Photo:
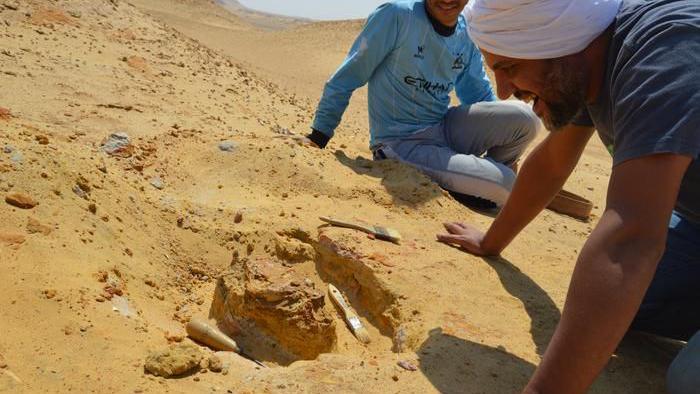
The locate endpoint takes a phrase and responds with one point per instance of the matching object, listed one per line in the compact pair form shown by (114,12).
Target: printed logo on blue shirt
(459,62)
(419,52)
(432,88)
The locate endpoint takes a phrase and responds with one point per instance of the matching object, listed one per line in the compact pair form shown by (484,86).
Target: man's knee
(683,376)
(529,122)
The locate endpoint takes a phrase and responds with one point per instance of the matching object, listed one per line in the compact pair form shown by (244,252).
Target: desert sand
(209,210)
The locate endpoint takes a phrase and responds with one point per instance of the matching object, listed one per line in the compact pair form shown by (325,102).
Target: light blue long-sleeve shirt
(411,71)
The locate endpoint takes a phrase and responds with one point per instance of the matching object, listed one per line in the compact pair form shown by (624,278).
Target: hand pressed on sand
(467,237)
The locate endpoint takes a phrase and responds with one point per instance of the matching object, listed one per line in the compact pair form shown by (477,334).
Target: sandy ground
(120,251)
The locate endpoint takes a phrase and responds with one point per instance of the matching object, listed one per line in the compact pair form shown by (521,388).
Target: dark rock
(20,200)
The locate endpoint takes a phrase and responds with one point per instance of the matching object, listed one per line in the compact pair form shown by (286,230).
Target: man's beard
(566,85)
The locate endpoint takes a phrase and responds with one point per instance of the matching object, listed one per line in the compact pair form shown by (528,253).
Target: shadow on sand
(406,185)
(455,365)
(543,312)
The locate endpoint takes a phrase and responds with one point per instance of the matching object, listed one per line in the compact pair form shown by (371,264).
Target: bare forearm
(534,189)
(609,282)
(543,174)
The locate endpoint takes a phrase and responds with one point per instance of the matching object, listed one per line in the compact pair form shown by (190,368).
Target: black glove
(318,138)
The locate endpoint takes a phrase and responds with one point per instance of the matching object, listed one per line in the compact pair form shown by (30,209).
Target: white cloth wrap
(538,29)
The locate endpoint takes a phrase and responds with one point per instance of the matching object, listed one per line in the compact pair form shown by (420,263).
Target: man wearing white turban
(631,70)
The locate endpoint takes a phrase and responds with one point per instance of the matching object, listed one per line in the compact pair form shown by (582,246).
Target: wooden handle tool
(349,315)
(384,233)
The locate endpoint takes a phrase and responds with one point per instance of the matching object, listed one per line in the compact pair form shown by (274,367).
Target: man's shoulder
(641,22)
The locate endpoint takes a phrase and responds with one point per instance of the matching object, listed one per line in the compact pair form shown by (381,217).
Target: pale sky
(316,9)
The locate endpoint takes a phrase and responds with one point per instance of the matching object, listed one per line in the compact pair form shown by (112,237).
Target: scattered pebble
(238,218)
(407,365)
(175,361)
(121,304)
(228,146)
(118,144)
(42,139)
(174,337)
(17,157)
(20,200)
(8,149)
(92,208)
(5,114)
(84,184)
(215,363)
(157,183)
(80,192)
(3,363)
(35,227)
(11,5)
(12,240)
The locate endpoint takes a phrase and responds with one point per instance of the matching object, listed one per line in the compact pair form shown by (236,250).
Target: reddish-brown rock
(278,302)
(20,200)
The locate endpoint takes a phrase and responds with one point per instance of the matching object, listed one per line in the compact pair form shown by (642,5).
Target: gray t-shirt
(650,102)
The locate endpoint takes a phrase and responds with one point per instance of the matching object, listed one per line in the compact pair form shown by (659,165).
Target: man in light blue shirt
(414,54)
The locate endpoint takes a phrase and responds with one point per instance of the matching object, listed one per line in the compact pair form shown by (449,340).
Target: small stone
(75,14)
(407,365)
(238,218)
(11,5)
(174,337)
(157,183)
(42,139)
(49,293)
(3,363)
(35,227)
(20,200)
(84,184)
(395,378)
(227,146)
(12,240)
(17,157)
(175,361)
(80,192)
(5,114)
(118,144)
(8,149)
(215,364)
(92,208)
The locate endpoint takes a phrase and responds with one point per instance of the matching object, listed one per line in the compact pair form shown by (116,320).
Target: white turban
(538,29)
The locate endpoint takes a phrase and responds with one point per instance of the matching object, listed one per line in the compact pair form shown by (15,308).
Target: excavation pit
(273,300)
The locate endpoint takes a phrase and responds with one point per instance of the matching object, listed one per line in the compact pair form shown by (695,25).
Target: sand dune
(120,250)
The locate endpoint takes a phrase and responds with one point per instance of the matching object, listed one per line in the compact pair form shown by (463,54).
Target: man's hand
(466,237)
(543,174)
